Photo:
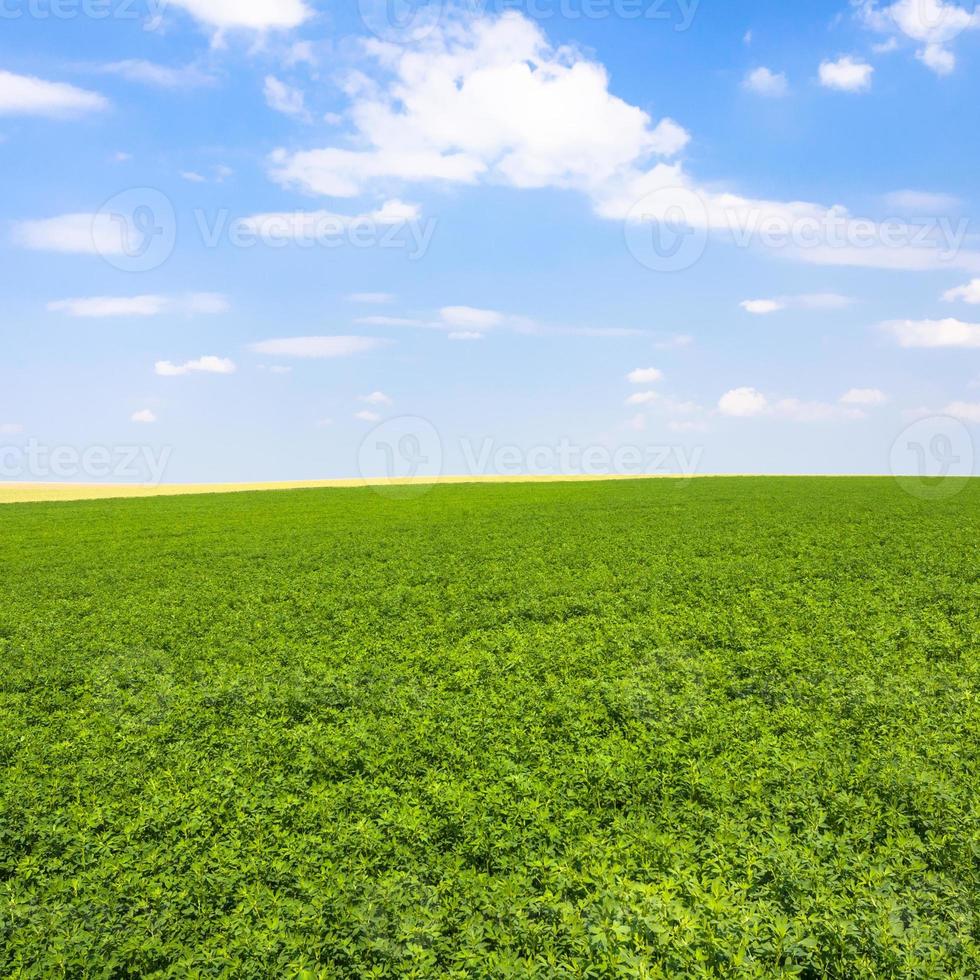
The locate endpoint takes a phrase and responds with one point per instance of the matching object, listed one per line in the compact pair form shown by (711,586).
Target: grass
(635,729)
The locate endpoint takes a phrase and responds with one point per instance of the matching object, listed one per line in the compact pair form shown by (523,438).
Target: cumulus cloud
(485,100)
(864,396)
(933,24)
(465,335)
(642,398)
(136,306)
(209,364)
(645,376)
(25,95)
(970,293)
(489,100)
(317,347)
(376,398)
(967,411)
(285,98)
(846,75)
(764,81)
(934,333)
(255,15)
(751,403)
(367,416)
(144,416)
(743,403)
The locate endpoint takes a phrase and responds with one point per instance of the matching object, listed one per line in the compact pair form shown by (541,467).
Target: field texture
(638,729)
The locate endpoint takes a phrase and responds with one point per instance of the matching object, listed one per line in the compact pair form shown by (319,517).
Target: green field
(728,727)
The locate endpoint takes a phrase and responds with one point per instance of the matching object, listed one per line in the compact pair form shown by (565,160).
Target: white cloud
(864,396)
(934,24)
(106,306)
(806,301)
(317,347)
(743,403)
(934,333)
(193,177)
(676,342)
(144,416)
(485,99)
(922,202)
(752,403)
(820,301)
(280,226)
(209,364)
(846,75)
(970,293)
(468,317)
(371,298)
(25,95)
(376,398)
(967,411)
(148,305)
(761,307)
(390,321)
(941,60)
(10,429)
(642,398)
(82,234)
(763,81)
(257,15)
(645,376)
(368,416)
(159,76)
(285,98)
(796,410)
(465,335)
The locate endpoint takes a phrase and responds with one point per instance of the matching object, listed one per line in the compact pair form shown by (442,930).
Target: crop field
(718,728)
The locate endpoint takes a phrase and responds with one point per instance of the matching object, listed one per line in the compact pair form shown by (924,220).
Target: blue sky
(271,239)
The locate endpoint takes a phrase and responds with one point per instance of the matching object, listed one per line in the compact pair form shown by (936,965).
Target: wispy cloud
(318,347)
(25,95)
(141,306)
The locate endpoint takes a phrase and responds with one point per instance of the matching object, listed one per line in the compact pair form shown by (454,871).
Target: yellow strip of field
(21,493)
